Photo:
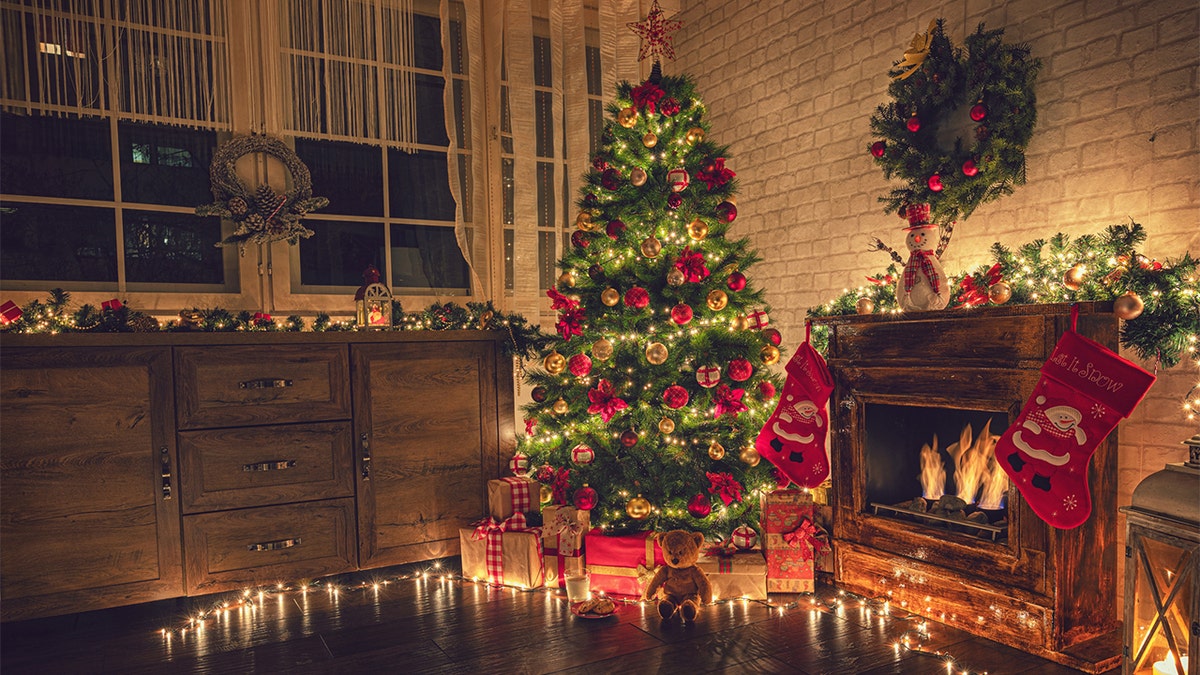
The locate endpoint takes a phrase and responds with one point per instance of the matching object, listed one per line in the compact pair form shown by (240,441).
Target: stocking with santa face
(793,439)
(1084,390)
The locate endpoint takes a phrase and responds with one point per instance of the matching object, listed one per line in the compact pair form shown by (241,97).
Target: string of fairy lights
(249,605)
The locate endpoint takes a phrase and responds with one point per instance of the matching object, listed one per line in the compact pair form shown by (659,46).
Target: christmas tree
(646,406)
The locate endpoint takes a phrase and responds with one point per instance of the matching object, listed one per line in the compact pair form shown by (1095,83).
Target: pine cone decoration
(265,199)
(238,207)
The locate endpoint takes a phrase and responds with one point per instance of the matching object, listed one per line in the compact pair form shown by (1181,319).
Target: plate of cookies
(600,607)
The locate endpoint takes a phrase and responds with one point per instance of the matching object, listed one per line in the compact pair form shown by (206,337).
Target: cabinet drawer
(266,545)
(238,385)
(260,466)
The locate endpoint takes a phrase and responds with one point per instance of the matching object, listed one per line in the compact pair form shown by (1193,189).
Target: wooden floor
(434,625)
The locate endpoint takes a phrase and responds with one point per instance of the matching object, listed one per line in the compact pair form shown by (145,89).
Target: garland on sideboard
(55,316)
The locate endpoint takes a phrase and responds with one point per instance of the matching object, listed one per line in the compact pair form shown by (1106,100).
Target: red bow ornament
(715,175)
(113,305)
(809,538)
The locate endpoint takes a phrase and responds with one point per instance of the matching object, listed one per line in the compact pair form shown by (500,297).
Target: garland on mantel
(54,316)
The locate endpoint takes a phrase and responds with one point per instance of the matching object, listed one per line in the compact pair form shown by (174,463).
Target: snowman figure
(923,284)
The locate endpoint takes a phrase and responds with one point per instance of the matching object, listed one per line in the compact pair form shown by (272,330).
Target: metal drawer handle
(274,545)
(366,457)
(165,458)
(273,465)
(265,383)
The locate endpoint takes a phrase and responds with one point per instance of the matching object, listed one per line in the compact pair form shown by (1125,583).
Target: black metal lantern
(1162,571)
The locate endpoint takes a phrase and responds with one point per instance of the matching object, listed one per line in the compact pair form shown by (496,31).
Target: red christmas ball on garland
(615,229)
(766,390)
(538,394)
(878,148)
(978,112)
(913,124)
(675,397)
(629,438)
(935,183)
(700,506)
(585,498)
(739,370)
(774,336)
(727,212)
(681,314)
(637,297)
(736,281)
(969,168)
(674,200)
(580,365)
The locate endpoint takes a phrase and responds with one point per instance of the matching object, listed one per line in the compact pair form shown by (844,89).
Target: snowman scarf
(918,262)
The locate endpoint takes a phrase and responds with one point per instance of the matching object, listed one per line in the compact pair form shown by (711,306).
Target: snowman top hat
(918,216)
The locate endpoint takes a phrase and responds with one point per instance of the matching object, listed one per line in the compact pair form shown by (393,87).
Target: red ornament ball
(774,336)
(580,365)
(700,505)
(969,168)
(582,454)
(766,390)
(935,183)
(637,297)
(580,239)
(674,200)
(739,370)
(878,148)
(978,112)
(736,281)
(675,397)
(596,272)
(629,438)
(913,124)
(538,394)
(610,179)
(615,229)
(519,465)
(681,314)
(727,212)
(585,498)
(744,537)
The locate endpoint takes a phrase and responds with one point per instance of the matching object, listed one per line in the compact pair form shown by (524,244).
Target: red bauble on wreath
(585,498)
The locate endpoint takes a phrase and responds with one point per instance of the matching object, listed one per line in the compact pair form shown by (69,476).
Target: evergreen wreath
(261,215)
(958,127)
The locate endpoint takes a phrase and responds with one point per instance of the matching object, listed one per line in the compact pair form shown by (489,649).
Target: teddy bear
(679,585)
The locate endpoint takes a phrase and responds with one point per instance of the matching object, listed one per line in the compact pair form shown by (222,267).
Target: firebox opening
(936,467)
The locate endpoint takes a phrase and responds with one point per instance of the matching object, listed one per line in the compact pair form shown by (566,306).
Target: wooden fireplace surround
(1046,591)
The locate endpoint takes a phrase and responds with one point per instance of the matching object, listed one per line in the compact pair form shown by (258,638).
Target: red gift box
(618,563)
(9,312)
(789,541)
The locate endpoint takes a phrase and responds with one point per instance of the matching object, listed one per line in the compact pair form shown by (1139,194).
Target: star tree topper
(655,33)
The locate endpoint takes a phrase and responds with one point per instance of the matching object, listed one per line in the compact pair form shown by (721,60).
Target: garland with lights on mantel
(1159,301)
(54,316)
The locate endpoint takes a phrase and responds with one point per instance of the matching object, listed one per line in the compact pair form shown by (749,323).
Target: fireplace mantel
(1046,591)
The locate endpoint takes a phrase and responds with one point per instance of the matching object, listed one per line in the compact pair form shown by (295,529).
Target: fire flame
(976,471)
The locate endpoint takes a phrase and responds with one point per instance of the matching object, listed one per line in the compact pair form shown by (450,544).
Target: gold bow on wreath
(915,55)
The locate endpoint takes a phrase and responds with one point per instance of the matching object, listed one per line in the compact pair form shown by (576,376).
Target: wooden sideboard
(142,467)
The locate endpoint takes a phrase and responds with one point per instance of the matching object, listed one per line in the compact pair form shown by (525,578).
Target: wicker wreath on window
(261,215)
(959,124)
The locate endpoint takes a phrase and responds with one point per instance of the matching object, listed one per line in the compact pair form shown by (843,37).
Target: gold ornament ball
(584,221)
(560,407)
(749,455)
(1000,293)
(637,176)
(651,247)
(666,425)
(675,277)
(770,354)
(740,322)
(865,306)
(638,508)
(602,349)
(566,279)
(656,353)
(627,117)
(1073,279)
(716,451)
(1128,306)
(717,300)
(694,135)
(697,229)
(610,297)
(650,139)
(545,494)
(555,363)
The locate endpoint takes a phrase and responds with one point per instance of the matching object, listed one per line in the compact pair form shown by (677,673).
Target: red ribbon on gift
(9,312)
(809,537)
(564,524)
(113,305)
(522,500)
(493,531)
(259,316)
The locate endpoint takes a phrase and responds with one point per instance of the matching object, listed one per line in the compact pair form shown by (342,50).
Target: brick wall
(790,87)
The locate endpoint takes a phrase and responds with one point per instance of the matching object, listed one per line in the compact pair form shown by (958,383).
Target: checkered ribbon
(493,531)
(809,538)
(522,497)
(919,261)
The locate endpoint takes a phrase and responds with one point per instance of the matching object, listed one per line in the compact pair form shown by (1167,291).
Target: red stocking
(793,439)
(1083,392)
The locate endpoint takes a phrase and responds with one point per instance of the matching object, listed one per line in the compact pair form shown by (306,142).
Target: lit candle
(1167,665)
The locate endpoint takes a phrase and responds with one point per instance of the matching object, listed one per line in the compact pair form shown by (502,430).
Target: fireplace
(922,515)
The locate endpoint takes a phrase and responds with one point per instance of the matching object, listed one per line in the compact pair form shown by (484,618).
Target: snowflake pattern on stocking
(1070,503)
(1097,411)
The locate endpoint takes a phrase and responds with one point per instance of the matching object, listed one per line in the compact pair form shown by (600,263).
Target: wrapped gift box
(787,516)
(514,494)
(558,565)
(823,517)
(740,575)
(563,528)
(519,556)
(618,563)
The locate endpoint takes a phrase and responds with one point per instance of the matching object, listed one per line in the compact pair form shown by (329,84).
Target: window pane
(174,248)
(427,258)
(165,165)
(508,187)
(505,119)
(466,189)
(431,115)
(348,174)
(541,62)
(427,41)
(509,267)
(544,122)
(419,186)
(594,83)
(457,45)
(595,124)
(547,260)
(56,157)
(545,194)
(59,243)
(339,252)
(462,107)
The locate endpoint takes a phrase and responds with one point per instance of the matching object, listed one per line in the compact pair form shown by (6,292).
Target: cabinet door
(427,443)
(89,514)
